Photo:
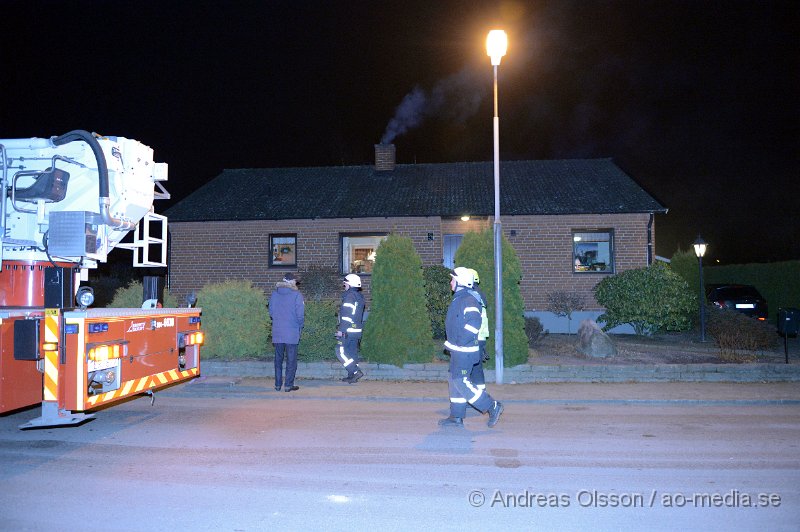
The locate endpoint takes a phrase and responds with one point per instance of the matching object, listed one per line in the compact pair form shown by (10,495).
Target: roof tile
(576,186)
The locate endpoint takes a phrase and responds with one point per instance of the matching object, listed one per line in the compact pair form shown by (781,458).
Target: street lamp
(496,46)
(700,250)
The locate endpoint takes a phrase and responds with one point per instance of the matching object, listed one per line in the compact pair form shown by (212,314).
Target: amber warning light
(193,338)
(105,352)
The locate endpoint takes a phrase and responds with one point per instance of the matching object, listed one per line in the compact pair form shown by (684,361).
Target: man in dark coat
(462,325)
(287,310)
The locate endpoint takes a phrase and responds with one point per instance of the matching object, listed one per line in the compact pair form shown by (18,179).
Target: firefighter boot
(357,375)
(494,413)
(451,421)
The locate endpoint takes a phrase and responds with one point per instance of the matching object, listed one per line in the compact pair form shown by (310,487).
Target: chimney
(384,157)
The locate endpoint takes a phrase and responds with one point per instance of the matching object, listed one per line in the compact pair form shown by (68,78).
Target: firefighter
(462,324)
(348,333)
(477,376)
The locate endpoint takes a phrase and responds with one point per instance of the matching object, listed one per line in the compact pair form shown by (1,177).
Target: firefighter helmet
(353,280)
(463,276)
(475,277)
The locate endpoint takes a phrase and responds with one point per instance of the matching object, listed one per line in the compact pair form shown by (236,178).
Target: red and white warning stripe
(141,385)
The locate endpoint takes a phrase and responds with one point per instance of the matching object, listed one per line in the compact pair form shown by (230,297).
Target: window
(593,251)
(284,250)
(358,252)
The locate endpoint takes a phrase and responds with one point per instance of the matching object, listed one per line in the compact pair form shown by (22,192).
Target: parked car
(740,297)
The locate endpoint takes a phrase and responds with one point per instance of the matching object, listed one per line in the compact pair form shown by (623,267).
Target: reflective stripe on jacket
(483,334)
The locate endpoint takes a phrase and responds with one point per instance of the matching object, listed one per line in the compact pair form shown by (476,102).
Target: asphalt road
(219,454)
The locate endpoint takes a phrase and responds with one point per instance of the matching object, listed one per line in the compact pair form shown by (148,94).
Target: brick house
(571,222)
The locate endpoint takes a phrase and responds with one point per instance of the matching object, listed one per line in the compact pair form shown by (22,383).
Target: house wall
(544,247)
(205,252)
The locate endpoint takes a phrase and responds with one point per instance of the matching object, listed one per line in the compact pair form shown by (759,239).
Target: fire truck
(69,200)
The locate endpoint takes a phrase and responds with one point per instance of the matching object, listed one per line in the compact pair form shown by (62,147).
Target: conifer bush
(398,330)
(477,252)
(437,297)
(235,319)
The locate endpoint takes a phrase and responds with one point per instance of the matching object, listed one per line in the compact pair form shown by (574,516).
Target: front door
(451,243)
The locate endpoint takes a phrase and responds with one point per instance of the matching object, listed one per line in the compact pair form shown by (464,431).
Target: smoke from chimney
(456,97)
(408,115)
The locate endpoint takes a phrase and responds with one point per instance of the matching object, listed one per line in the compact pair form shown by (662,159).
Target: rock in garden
(593,342)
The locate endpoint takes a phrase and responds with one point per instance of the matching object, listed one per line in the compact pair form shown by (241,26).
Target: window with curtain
(358,252)
(593,251)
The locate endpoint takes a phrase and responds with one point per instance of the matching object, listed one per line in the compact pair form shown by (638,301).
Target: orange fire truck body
(68,201)
(97,357)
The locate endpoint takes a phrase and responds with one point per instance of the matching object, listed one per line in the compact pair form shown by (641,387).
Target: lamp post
(496,46)
(700,250)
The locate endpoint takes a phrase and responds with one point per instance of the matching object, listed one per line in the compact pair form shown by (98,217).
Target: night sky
(696,100)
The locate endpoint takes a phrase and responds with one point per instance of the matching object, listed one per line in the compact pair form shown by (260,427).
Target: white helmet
(353,280)
(463,276)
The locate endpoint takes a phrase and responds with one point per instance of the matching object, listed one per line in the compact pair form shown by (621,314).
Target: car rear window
(736,292)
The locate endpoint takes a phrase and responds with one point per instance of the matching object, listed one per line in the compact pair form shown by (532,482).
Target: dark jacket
(351,312)
(463,322)
(287,310)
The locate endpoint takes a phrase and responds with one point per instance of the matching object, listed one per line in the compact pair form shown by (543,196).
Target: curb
(525,373)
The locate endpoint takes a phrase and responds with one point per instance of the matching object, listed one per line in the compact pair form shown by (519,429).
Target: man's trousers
(462,390)
(347,353)
(291,364)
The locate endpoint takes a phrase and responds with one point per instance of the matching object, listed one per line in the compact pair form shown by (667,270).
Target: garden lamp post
(496,46)
(700,250)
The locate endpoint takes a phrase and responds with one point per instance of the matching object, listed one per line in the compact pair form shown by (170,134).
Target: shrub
(398,331)
(651,299)
(320,283)
(734,332)
(437,297)
(235,319)
(477,251)
(317,342)
(131,297)
(533,330)
(563,304)
(685,264)
(105,288)
(110,277)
